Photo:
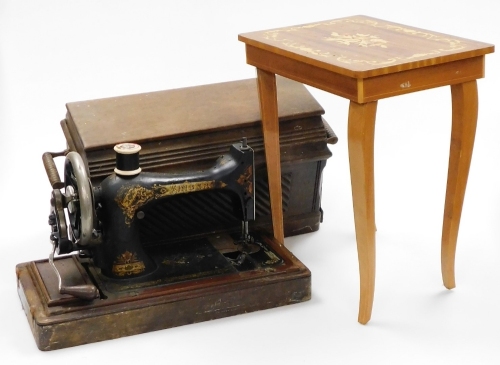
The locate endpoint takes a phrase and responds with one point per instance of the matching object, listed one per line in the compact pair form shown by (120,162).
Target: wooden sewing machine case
(179,130)
(185,129)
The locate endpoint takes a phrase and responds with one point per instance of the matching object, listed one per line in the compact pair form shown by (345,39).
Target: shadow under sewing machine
(130,276)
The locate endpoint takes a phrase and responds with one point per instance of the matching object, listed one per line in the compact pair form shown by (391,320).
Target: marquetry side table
(365,59)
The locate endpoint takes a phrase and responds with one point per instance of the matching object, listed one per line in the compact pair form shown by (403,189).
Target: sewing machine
(115,279)
(174,229)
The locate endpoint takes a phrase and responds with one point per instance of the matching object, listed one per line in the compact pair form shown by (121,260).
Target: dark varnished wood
(168,114)
(58,322)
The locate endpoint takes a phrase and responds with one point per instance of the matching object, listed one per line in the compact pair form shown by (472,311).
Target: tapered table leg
(270,125)
(361,128)
(464,121)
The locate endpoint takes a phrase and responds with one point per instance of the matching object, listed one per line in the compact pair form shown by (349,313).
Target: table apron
(364,90)
(320,78)
(398,83)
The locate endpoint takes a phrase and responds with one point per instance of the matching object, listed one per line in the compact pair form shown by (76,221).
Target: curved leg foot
(464,121)
(361,129)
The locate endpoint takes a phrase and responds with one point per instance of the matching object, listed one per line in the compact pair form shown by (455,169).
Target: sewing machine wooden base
(58,321)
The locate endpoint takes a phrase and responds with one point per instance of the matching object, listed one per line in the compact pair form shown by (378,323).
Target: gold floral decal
(127,264)
(246,179)
(131,198)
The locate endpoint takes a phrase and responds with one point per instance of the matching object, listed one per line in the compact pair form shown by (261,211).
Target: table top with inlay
(361,46)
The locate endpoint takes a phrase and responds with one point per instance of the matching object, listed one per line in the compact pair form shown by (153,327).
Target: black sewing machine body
(105,220)
(114,277)
(122,202)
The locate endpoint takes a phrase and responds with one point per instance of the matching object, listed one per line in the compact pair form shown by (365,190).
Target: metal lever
(86,292)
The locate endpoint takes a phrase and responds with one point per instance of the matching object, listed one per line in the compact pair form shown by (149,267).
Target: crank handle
(86,291)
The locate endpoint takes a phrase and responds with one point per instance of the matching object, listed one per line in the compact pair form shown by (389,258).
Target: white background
(54,52)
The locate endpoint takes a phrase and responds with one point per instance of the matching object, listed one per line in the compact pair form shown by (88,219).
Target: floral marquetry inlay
(362,40)
(338,39)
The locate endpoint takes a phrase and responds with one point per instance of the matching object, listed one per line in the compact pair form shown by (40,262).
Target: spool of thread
(127,159)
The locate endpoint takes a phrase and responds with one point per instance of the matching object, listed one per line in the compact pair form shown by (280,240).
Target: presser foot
(245,245)
(253,256)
